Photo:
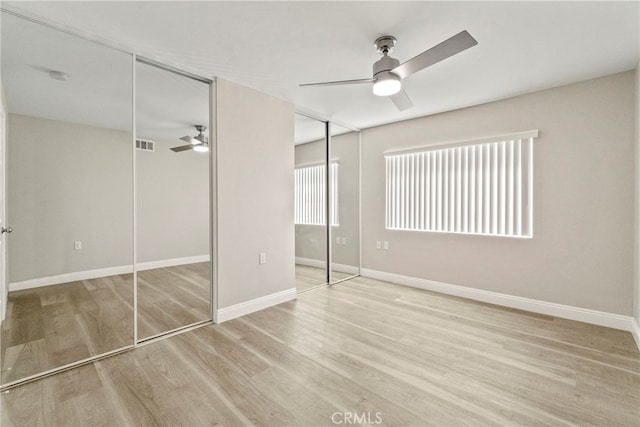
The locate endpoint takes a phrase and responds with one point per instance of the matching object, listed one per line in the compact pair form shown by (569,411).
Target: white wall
(311,239)
(67,182)
(70,182)
(582,251)
(255,163)
(636,279)
(4,278)
(344,150)
(172,202)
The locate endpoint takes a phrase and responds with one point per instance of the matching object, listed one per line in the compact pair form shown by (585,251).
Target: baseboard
(342,268)
(616,321)
(635,331)
(102,272)
(150,265)
(310,262)
(257,304)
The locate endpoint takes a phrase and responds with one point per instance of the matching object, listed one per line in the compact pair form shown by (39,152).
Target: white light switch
(344,240)
(337,240)
(386,245)
(77,245)
(378,244)
(262,258)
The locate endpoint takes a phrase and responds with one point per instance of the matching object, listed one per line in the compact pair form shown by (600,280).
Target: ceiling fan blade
(182,148)
(444,50)
(189,139)
(401,100)
(339,82)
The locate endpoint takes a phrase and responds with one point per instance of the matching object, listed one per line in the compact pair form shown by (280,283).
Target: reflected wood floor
(309,277)
(413,357)
(55,325)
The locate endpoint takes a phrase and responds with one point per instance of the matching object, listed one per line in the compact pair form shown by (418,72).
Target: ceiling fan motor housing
(385,63)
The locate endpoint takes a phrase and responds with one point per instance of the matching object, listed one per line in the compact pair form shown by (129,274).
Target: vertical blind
(477,188)
(310,195)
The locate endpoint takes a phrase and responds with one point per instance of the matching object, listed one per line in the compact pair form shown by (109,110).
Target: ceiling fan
(198,143)
(388,72)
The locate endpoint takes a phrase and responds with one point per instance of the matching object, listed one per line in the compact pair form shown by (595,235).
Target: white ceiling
(274,46)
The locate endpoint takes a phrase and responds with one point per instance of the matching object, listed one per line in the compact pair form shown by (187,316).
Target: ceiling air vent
(144,145)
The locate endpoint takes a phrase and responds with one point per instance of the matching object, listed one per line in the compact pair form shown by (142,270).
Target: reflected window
(310,195)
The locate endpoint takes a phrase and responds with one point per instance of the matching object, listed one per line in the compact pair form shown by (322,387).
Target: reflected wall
(172,201)
(345,230)
(310,203)
(98,215)
(69,199)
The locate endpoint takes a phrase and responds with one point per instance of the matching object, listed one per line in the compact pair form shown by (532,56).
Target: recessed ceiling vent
(145,145)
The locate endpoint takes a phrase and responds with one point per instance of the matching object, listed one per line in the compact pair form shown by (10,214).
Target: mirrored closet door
(344,193)
(310,203)
(69,157)
(172,200)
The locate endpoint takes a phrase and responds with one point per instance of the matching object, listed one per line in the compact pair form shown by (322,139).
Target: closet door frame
(212,201)
(212,192)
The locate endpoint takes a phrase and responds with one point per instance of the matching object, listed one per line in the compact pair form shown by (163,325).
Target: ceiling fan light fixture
(386,84)
(201,148)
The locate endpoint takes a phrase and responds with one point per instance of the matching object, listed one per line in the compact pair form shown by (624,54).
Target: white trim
(102,272)
(150,265)
(256,304)
(345,268)
(341,268)
(310,262)
(437,145)
(601,318)
(635,331)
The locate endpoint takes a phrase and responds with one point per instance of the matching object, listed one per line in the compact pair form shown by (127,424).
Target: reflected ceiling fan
(198,143)
(388,72)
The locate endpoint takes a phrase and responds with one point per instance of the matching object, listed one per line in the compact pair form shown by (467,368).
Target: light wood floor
(55,325)
(310,277)
(416,358)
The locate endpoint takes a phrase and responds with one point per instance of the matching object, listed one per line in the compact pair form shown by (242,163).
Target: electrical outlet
(385,245)
(77,245)
(378,244)
(262,258)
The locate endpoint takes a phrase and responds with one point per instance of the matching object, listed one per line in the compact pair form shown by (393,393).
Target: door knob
(6,230)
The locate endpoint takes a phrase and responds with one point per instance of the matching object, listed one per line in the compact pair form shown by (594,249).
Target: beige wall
(582,251)
(255,186)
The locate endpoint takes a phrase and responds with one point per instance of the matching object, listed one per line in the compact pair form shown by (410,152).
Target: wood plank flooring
(309,277)
(363,347)
(51,326)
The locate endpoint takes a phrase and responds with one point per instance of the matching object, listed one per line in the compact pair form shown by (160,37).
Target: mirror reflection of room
(172,200)
(69,199)
(345,189)
(310,203)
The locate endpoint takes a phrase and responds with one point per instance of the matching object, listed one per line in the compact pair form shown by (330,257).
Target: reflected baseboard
(103,272)
(318,263)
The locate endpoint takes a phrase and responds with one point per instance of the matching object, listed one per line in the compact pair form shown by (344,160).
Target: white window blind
(481,188)
(310,195)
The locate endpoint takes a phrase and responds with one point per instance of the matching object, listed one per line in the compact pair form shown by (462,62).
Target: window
(310,195)
(484,187)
